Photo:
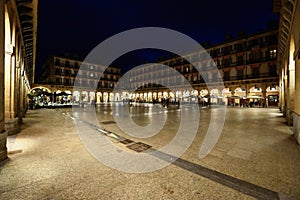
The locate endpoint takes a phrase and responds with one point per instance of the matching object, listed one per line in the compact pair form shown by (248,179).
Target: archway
(68,96)
(111,96)
(215,97)
(92,97)
(150,97)
(76,97)
(225,94)
(272,95)
(84,96)
(41,87)
(256,97)
(40,96)
(105,97)
(240,92)
(98,97)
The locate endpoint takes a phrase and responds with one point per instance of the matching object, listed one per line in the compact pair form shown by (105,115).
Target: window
(226,76)
(238,47)
(57,71)
(273,70)
(272,54)
(255,71)
(227,61)
(57,81)
(253,43)
(255,56)
(240,73)
(57,62)
(240,60)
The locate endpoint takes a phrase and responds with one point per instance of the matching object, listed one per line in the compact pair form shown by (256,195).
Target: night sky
(75,27)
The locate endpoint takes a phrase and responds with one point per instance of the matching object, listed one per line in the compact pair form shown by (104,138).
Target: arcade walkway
(255,157)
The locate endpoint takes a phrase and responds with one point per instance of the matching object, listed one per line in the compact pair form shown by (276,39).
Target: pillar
(296,114)
(18,89)
(264,95)
(22,97)
(281,92)
(11,118)
(291,94)
(3,134)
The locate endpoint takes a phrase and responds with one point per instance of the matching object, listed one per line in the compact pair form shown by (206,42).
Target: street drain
(126,141)
(139,147)
(108,122)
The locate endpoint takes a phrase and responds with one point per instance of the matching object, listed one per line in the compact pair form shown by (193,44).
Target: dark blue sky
(75,27)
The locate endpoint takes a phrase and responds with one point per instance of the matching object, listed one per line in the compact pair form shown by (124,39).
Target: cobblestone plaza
(256,156)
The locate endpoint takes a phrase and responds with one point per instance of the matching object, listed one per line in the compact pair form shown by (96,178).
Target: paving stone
(49,161)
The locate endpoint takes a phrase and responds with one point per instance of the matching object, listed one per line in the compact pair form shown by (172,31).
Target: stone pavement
(256,157)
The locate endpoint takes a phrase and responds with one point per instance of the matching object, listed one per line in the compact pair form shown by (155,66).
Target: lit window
(273,53)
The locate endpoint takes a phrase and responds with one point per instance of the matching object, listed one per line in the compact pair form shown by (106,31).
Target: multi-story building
(18,25)
(237,71)
(288,63)
(93,82)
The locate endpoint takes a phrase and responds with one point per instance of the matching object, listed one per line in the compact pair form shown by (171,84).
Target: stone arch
(226,92)
(255,90)
(76,96)
(204,92)
(84,96)
(159,96)
(111,96)
(92,97)
(149,96)
(178,95)
(272,95)
(172,96)
(98,97)
(214,95)
(215,91)
(145,96)
(41,87)
(117,96)
(240,91)
(105,97)
(195,93)
(154,96)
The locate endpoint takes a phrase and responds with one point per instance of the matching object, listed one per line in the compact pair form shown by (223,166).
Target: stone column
(22,97)
(286,93)
(291,92)
(232,94)
(296,115)
(281,92)
(264,95)
(3,135)
(11,120)
(18,90)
